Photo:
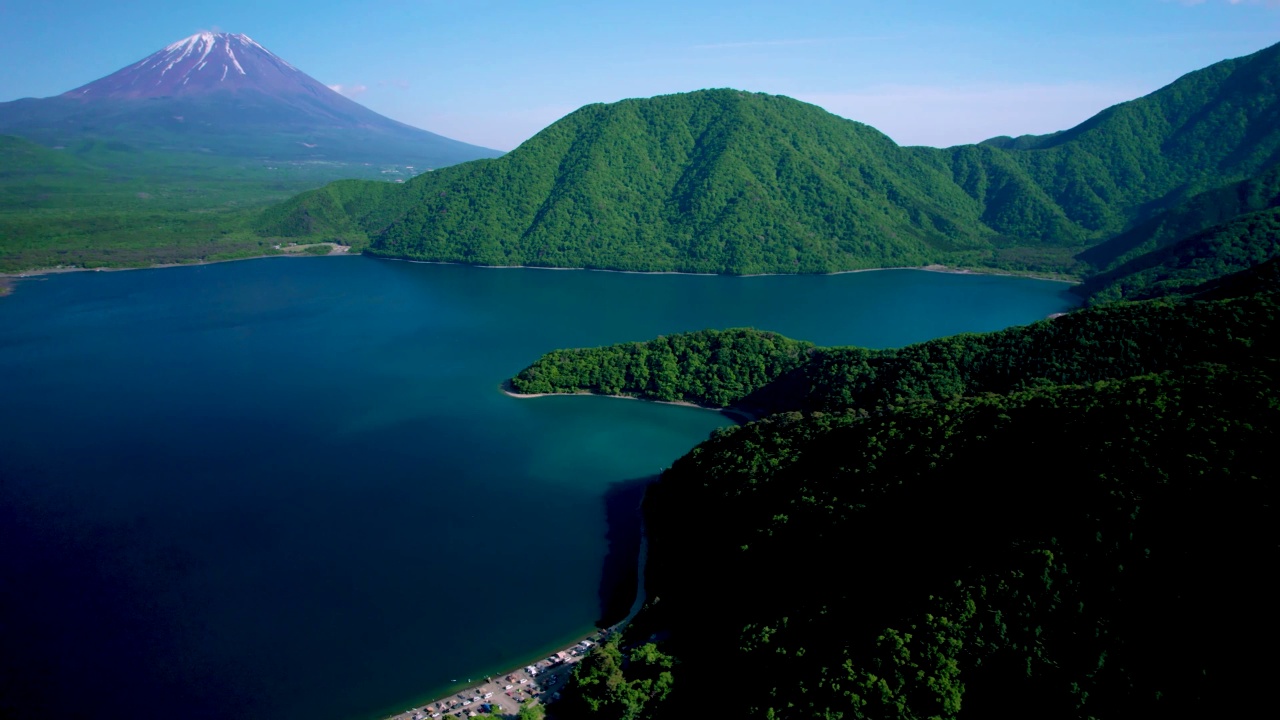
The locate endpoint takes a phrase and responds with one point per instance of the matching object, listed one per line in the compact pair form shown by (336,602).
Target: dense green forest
(1188,217)
(1049,521)
(99,203)
(1242,242)
(761,372)
(732,182)
(713,368)
(1057,552)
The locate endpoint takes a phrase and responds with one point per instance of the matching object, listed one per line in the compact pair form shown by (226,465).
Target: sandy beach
(502,695)
(540,681)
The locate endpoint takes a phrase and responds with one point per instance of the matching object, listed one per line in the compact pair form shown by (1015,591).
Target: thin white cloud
(945,116)
(349,90)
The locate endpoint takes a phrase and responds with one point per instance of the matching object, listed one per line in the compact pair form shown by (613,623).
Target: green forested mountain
(1132,161)
(1057,552)
(1048,521)
(1051,520)
(1190,216)
(732,182)
(1240,243)
(712,181)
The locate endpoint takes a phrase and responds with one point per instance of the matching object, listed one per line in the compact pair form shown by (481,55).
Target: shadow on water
(619,579)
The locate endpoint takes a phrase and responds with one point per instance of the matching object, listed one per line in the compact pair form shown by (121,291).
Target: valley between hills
(1062,519)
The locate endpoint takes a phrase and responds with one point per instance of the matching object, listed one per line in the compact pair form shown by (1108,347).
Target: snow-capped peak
(203,39)
(202,62)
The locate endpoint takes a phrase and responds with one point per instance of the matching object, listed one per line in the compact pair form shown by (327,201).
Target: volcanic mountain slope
(203,63)
(226,94)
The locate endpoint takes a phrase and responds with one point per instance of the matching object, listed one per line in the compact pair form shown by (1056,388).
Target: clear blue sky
(494,72)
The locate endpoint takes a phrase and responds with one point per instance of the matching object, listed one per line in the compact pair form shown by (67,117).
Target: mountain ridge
(733,182)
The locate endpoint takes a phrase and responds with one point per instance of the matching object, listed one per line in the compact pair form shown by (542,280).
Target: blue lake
(292,487)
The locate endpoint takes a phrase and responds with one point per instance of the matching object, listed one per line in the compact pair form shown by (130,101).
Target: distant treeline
(98,203)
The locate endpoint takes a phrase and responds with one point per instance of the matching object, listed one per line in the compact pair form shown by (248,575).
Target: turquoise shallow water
(292,488)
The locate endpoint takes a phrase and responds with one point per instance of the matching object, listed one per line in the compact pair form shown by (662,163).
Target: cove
(292,487)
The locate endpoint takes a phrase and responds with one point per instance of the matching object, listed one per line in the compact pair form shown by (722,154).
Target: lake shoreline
(7,278)
(442,703)
(495,683)
(948,269)
(403,530)
(739,416)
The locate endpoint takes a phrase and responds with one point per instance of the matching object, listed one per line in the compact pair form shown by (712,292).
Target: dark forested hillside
(713,368)
(1189,217)
(1059,552)
(731,182)
(1238,244)
(762,372)
(1046,521)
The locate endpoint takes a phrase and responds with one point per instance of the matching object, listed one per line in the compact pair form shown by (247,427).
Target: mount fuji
(225,94)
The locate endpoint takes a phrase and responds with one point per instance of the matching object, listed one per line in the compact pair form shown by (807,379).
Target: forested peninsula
(725,181)
(1050,520)
(762,372)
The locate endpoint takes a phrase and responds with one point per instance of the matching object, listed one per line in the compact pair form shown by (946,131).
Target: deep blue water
(292,488)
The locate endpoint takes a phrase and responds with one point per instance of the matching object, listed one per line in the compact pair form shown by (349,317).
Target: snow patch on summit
(204,62)
(186,44)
